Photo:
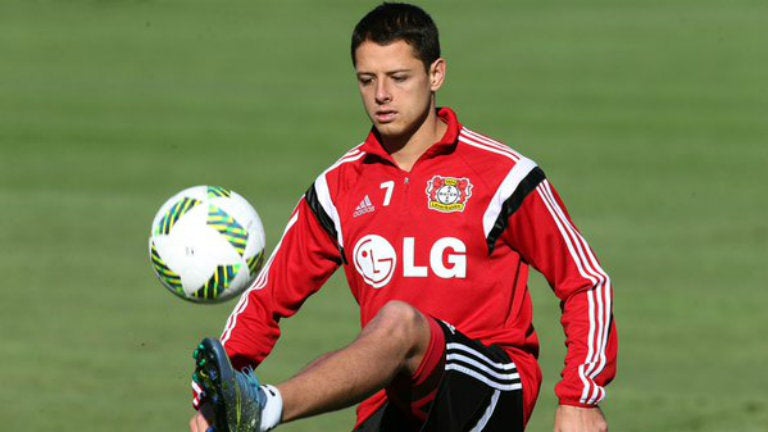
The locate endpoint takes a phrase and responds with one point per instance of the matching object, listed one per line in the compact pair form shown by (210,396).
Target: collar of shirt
(372,146)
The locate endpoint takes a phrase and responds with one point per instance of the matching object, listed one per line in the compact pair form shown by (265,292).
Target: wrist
(576,404)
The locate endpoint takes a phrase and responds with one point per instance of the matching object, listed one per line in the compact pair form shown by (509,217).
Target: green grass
(650,117)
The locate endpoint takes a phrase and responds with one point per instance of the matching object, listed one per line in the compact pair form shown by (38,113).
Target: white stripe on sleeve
(507,187)
(598,299)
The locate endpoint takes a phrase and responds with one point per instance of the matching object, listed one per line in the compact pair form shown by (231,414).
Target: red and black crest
(448,194)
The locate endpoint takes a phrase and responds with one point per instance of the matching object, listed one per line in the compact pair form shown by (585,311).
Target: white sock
(272,412)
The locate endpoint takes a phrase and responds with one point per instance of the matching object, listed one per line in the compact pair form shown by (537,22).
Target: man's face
(396,88)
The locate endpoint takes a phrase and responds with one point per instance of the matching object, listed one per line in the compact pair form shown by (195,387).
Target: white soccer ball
(206,244)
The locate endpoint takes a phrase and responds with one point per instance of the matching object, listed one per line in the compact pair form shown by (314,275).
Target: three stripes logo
(365,206)
(465,359)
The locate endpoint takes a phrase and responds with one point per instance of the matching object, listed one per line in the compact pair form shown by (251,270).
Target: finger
(199,424)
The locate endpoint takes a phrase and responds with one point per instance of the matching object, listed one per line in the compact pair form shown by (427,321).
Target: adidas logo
(365,206)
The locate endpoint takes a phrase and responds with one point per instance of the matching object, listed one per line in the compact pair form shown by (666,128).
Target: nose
(382,93)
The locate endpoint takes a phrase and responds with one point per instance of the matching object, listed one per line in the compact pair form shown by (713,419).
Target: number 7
(390,187)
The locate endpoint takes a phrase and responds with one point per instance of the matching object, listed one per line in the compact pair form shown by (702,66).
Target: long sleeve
(543,233)
(300,264)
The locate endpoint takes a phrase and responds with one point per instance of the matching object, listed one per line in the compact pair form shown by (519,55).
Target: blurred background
(650,117)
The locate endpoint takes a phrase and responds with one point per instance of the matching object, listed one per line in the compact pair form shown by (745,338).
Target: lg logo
(376,259)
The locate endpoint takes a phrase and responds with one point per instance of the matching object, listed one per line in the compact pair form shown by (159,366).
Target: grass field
(650,117)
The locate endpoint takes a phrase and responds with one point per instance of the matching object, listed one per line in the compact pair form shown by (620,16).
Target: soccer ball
(206,244)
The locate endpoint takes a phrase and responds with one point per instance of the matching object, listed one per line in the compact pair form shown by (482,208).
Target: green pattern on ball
(218,283)
(225,224)
(165,274)
(255,263)
(218,192)
(174,214)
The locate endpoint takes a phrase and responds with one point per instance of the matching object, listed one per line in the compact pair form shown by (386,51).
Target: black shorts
(480,390)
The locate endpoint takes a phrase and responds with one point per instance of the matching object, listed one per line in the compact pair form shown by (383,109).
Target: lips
(385,116)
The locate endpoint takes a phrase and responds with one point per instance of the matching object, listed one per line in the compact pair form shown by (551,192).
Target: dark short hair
(392,22)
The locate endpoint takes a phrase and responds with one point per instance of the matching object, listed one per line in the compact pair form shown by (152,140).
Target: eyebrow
(396,71)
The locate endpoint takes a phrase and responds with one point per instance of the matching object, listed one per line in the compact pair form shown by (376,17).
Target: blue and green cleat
(236,398)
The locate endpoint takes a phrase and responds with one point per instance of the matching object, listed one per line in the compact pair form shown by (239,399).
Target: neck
(407,149)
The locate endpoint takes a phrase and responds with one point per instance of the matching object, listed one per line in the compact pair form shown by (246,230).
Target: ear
(437,74)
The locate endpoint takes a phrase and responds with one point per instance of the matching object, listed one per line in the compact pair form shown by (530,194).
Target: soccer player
(435,226)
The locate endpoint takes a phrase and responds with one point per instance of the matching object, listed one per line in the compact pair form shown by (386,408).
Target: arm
(574,419)
(300,264)
(541,230)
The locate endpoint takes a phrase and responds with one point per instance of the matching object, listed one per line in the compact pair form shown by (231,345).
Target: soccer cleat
(236,397)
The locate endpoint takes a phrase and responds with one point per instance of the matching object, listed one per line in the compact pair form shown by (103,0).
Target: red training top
(454,237)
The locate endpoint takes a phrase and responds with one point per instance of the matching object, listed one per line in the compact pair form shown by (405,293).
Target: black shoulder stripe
(322,216)
(512,204)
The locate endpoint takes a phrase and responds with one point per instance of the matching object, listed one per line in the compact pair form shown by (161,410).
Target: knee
(399,320)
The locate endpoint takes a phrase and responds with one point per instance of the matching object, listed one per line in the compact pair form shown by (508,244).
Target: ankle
(272,410)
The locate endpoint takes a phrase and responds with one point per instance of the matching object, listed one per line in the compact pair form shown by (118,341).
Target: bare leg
(393,343)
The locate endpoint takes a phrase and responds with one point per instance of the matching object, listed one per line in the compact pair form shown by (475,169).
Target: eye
(364,80)
(399,78)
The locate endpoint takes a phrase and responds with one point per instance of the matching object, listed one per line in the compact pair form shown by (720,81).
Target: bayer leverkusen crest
(448,194)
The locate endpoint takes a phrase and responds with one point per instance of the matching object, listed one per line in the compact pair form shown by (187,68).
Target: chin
(389,131)
(392,130)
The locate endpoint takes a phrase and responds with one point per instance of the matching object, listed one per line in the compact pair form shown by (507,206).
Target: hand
(577,419)
(199,422)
